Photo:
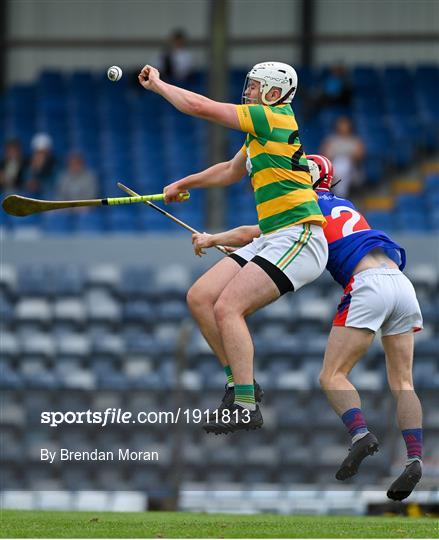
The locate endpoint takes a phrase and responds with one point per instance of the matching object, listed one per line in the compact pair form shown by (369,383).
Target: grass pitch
(45,524)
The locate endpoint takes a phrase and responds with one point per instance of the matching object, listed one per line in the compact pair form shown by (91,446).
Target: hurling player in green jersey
(291,252)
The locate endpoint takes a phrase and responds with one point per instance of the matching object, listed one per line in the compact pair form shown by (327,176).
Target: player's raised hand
(173,193)
(148,77)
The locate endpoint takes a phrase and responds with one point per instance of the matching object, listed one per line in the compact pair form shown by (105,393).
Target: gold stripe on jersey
(286,202)
(269,147)
(282,121)
(245,120)
(265,177)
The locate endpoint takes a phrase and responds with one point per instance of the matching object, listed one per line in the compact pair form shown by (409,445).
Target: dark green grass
(40,524)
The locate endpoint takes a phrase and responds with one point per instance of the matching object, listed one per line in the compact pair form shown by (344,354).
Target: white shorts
(292,257)
(380,298)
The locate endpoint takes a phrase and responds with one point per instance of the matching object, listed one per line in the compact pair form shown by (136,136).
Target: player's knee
(329,379)
(198,299)
(220,311)
(401,382)
(223,310)
(325,379)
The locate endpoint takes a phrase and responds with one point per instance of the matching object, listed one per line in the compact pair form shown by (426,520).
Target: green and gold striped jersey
(278,167)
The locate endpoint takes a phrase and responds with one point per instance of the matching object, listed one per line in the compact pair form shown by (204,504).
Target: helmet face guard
(245,100)
(272,75)
(321,170)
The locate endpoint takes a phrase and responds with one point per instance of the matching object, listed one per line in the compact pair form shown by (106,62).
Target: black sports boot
(405,483)
(366,446)
(234,418)
(229,396)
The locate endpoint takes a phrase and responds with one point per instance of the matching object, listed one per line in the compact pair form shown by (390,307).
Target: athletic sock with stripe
(413,442)
(245,396)
(355,423)
(229,376)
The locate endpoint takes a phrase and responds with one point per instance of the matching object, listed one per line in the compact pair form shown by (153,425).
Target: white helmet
(273,75)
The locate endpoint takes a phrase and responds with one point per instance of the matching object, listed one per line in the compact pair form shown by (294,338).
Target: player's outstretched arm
(240,236)
(221,174)
(189,102)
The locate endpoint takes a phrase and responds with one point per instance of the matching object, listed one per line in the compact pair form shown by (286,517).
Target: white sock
(411,460)
(359,436)
(249,406)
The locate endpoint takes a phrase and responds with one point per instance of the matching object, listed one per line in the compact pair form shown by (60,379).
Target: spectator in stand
(175,62)
(41,171)
(76,181)
(12,167)
(346,151)
(336,88)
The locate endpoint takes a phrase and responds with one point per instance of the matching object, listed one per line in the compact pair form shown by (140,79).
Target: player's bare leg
(345,347)
(399,362)
(248,291)
(201,299)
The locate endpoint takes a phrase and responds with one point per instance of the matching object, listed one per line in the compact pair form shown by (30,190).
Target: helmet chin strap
(286,96)
(252,101)
(320,180)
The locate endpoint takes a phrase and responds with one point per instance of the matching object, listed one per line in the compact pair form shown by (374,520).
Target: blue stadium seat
(425,373)
(427,347)
(58,222)
(150,381)
(135,283)
(91,222)
(6,221)
(35,280)
(11,346)
(431,184)
(68,280)
(311,133)
(411,220)
(433,219)
(139,342)
(427,74)
(366,78)
(33,310)
(401,129)
(112,380)
(379,147)
(172,311)
(108,344)
(140,311)
(10,379)
(43,380)
(21,102)
(73,345)
(6,309)
(28,222)
(409,202)
(120,219)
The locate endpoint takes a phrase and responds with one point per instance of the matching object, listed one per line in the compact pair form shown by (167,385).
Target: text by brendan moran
(122,454)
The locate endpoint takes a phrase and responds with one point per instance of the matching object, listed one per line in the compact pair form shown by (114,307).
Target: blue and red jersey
(350,238)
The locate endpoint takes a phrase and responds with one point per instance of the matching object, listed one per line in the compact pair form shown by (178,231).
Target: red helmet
(321,171)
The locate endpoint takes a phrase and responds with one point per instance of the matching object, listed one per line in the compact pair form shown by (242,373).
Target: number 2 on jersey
(341,229)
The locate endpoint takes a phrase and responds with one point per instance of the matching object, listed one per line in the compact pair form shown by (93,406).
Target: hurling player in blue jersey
(377,296)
